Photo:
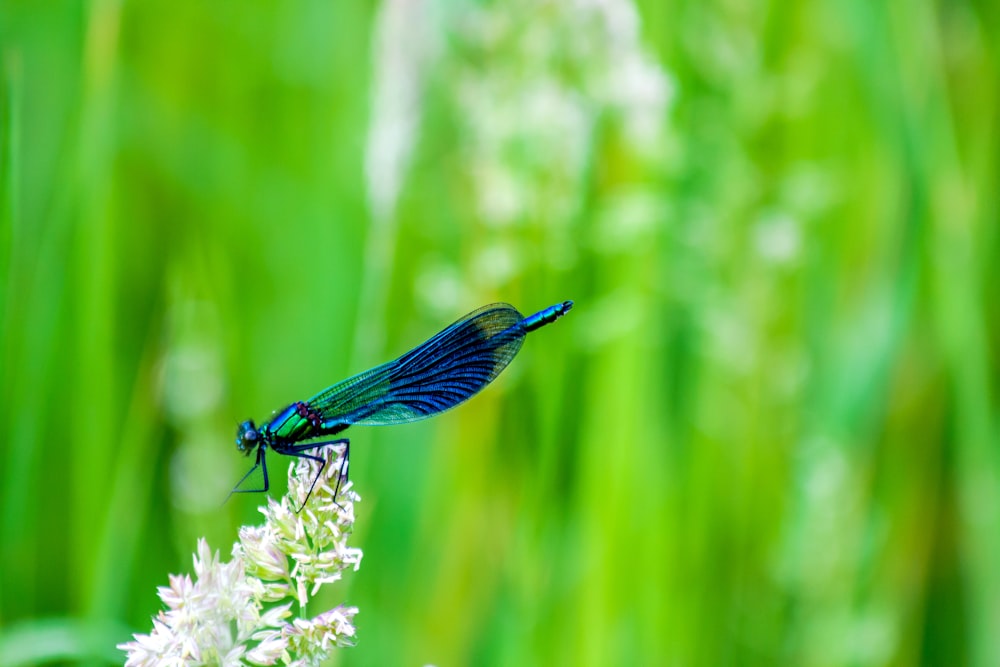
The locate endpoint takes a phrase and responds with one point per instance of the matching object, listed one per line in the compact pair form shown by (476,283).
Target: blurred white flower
(539,93)
(404,45)
(532,80)
(777,238)
(236,612)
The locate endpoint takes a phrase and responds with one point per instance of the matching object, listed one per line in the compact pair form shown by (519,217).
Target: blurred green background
(767,434)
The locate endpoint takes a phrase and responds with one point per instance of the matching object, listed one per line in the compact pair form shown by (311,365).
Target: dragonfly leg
(299,451)
(342,475)
(260,463)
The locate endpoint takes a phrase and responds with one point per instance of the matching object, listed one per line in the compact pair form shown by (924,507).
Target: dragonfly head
(247,437)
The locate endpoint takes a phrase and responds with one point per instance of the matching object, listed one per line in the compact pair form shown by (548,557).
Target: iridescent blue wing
(437,375)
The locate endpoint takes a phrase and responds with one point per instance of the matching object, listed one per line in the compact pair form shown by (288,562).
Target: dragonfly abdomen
(547,316)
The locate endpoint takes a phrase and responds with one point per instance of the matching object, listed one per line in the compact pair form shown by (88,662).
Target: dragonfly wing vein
(450,367)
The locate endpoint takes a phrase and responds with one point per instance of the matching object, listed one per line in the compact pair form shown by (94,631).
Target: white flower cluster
(536,80)
(238,613)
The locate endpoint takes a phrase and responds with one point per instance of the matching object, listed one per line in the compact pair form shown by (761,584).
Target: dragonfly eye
(247,436)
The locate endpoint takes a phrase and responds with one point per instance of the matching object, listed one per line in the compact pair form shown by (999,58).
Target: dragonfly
(448,369)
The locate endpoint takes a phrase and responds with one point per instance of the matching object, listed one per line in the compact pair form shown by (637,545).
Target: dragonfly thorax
(247,437)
